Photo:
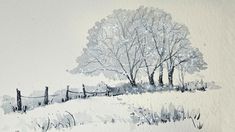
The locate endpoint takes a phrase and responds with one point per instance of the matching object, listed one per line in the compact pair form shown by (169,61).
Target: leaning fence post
(46,96)
(19,103)
(84,90)
(67,94)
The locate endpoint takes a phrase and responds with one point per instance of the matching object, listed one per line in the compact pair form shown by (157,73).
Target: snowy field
(107,114)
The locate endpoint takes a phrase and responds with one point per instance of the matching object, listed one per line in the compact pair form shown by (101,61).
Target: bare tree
(112,48)
(164,39)
(190,61)
(128,43)
(153,25)
(176,43)
(187,59)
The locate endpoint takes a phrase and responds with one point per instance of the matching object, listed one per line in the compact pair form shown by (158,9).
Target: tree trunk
(170,77)
(131,80)
(151,79)
(160,79)
(133,83)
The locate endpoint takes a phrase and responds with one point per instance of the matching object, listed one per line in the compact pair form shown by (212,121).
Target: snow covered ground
(113,113)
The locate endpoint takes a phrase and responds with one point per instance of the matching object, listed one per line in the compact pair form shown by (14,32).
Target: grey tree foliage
(112,48)
(129,44)
(189,61)
(154,22)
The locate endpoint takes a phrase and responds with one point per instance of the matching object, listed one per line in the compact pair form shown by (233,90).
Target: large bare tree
(165,39)
(112,48)
(128,43)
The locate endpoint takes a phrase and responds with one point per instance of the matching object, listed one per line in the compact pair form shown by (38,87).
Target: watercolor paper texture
(96,65)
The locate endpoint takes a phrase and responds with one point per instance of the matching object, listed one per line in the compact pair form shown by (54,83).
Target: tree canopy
(136,43)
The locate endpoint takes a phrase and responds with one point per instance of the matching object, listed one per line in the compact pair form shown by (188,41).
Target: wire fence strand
(32,97)
(75,92)
(39,96)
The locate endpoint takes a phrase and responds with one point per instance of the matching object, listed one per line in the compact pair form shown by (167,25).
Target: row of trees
(130,44)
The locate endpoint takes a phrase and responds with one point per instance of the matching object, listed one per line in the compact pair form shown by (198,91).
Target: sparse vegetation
(62,121)
(172,114)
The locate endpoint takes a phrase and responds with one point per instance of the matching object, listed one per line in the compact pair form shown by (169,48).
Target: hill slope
(114,113)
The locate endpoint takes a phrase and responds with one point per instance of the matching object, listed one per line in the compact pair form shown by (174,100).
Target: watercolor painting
(116,65)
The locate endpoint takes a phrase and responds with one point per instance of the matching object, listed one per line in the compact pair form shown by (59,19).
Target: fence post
(67,94)
(107,92)
(19,103)
(46,96)
(84,90)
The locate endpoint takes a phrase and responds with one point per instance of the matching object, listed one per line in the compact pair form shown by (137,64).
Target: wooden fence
(84,94)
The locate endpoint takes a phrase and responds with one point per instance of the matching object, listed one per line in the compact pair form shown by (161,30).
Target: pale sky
(40,39)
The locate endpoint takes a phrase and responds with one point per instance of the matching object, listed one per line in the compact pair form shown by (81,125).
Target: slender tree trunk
(160,79)
(150,76)
(170,77)
(151,79)
(133,83)
(132,80)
